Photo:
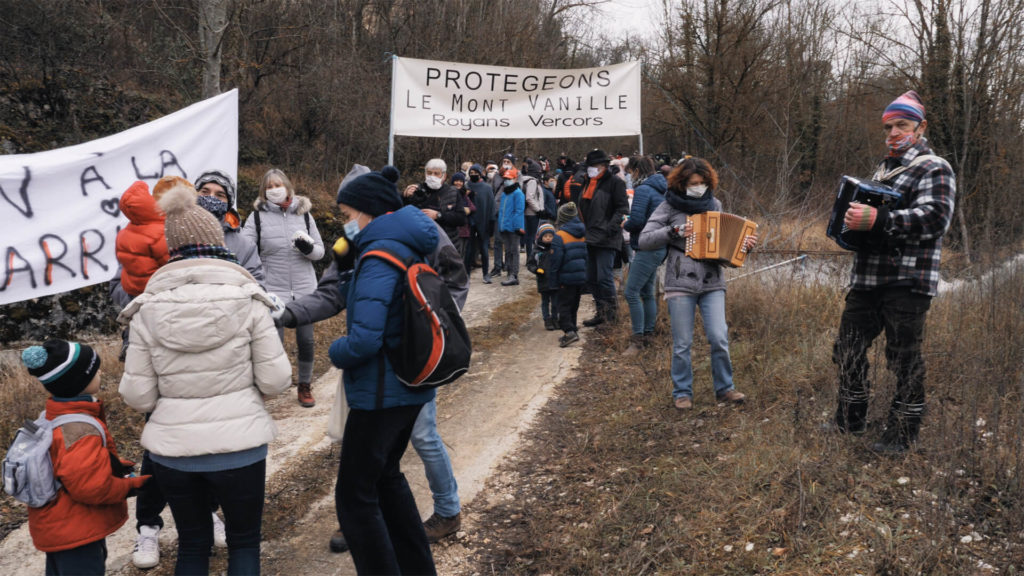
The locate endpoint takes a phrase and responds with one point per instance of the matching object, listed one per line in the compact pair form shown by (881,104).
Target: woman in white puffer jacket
(286,236)
(202,353)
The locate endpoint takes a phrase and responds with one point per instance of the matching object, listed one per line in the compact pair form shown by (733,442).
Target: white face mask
(433,182)
(593,171)
(509,182)
(696,191)
(277,195)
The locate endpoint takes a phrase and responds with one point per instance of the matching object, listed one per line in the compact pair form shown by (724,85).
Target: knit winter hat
(479,169)
(458,176)
(188,223)
(510,157)
(65,368)
(566,212)
(373,193)
(907,106)
(545,228)
(221,178)
(166,183)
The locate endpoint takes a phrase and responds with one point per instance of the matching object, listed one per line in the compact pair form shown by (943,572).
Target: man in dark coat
(437,199)
(482,195)
(603,205)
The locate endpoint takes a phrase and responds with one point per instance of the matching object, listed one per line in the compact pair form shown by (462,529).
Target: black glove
(286,320)
(521,232)
(302,242)
(344,255)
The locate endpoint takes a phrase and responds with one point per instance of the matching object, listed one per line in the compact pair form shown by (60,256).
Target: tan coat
(202,350)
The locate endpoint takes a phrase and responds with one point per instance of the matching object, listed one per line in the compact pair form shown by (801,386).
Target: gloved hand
(137,482)
(344,255)
(287,319)
(279,305)
(302,242)
(860,217)
(521,232)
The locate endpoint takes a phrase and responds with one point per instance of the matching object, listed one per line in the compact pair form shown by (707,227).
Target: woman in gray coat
(285,233)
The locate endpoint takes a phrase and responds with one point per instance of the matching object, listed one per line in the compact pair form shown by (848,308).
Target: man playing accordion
(893,282)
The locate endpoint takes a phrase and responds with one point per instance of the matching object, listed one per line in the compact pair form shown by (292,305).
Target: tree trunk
(213,20)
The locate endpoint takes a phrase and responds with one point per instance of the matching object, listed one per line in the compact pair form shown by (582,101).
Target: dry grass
(614,481)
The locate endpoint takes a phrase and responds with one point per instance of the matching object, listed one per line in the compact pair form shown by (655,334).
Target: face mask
(509,182)
(901,143)
(696,191)
(433,182)
(277,195)
(474,177)
(352,228)
(214,206)
(593,171)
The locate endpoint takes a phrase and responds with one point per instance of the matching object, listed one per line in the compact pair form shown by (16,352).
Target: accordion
(865,192)
(719,236)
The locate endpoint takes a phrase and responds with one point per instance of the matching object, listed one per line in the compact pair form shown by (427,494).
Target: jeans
(530,239)
(682,311)
(510,240)
(476,243)
(375,507)
(149,501)
(600,279)
(901,313)
(549,304)
(240,492)
(643,271)
(86,560)
(304,340)
(436,464)
(568,306)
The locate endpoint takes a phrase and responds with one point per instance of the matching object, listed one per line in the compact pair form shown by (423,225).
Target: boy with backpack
(569,269)
(547,284)
(89,477)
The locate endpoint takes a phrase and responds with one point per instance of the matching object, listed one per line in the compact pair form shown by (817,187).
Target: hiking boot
(732,396)
(511,281)
(147,548)
(220,536)
(338,543)
(487,278)
(306,395)
(597,320)
(496,271)
(438,527)
(568,338)
(683,403)
(636,345)
(549,324)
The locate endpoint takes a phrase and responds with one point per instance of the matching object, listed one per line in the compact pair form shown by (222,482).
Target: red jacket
(141,246)
(91,504)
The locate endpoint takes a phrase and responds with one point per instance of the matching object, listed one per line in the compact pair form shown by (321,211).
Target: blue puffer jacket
(374,316)
(511,211)
(646,197)
(569,255)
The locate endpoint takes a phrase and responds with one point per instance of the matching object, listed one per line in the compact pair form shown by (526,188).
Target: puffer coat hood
(141,246)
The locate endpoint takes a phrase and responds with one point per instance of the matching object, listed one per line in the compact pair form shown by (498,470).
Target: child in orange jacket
(73,527)
(141,247)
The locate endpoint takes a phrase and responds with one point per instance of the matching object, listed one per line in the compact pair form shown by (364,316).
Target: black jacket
(602,213)
(445,200)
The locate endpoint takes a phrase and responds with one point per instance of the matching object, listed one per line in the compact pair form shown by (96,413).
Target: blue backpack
(550,205)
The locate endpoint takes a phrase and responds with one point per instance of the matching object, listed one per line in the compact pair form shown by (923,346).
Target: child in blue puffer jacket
(569,269)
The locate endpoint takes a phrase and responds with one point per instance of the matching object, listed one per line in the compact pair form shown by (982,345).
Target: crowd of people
(206,298)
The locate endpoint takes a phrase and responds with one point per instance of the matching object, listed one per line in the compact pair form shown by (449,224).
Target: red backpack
(435,347)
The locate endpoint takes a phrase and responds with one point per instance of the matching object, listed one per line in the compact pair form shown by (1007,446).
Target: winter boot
(636,345)
(306,395)
(438,527)
(510,281)
(549,324)
(338,543)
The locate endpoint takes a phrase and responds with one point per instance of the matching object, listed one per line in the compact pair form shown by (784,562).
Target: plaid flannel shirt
(913,232)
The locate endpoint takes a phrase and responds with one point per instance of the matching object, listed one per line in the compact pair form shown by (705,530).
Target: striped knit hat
(545,228)
(907,106)
(65,368)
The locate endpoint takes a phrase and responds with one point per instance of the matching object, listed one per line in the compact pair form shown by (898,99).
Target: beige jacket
(202,349)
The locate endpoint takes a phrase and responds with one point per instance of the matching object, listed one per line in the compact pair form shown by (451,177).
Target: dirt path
(480,419)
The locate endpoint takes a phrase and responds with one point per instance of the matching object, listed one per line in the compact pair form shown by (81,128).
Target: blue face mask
(352,228)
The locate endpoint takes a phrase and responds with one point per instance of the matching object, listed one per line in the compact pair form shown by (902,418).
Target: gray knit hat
(566,212)
(188,223)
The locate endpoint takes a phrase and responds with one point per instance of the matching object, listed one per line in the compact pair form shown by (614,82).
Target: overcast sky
(631,17)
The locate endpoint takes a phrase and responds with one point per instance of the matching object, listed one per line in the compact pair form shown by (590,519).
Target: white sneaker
(220,538)
(147,547)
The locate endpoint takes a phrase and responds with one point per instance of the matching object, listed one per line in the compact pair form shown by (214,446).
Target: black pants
(376,508)
(476,244)
(901,314)
(568,306)
(86,560)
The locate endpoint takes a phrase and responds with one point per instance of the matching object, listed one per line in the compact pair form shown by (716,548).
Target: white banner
(59,209)
(452,100)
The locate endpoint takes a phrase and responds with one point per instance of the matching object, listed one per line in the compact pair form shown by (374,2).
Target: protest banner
(454,100)
(60,208)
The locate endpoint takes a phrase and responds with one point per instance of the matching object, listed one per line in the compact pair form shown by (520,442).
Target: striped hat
(65,368)
(907,106)
(545,228)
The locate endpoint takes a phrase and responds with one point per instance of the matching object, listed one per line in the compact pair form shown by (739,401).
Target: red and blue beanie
(65,368)
(907,106)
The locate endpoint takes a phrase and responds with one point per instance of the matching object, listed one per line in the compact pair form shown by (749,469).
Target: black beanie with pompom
(373,193)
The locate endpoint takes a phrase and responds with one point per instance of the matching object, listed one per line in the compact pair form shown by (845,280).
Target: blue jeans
(436,464)
(240,492)
(682,311)
(643,272)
